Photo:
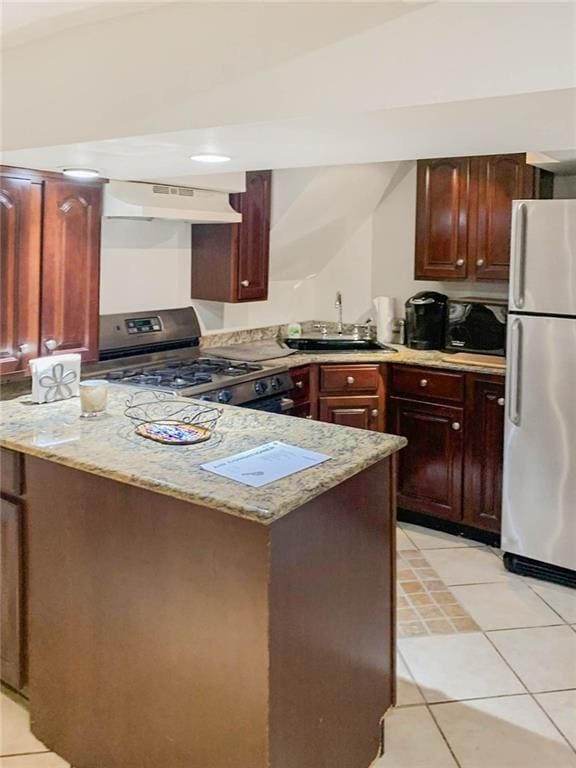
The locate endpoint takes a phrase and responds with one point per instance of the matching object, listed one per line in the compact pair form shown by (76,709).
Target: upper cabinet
(49,266)
(230,261)
(20,234)
(464,212)
(71,269)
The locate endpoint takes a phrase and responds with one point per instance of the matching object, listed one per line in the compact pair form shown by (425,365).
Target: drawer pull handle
(501,401)
(300,384)
(456,426)
(245,283)
(460,262)
(423,382)
(350,379)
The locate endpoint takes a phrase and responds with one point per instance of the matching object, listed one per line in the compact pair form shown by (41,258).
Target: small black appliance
(425,320)
(476,325)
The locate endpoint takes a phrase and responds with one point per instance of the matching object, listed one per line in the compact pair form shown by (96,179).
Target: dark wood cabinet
(230,261)
(363,412)
(484,452)
(11,593)
(430,468)
(50,267)
(20,231)
(454,422)
(441,218)
(464,214)
(71,269)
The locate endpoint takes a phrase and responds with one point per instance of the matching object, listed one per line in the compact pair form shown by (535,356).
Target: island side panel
(332,625)
(148,626)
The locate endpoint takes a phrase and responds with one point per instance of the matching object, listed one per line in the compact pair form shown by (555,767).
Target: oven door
(274,404)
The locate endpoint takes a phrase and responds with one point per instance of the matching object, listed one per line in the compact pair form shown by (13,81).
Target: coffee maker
(425,320)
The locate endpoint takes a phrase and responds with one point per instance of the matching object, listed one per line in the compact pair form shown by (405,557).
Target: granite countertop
(109,447)
(403,355)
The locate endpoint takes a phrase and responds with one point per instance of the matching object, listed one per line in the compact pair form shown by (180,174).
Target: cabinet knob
(23,349)
(299,384)
(456,426)
(350,379)
(423,382)
(460,262)
(501,401)
(245,283)
(51,344)
(479,262)
(308,416)
(375,413)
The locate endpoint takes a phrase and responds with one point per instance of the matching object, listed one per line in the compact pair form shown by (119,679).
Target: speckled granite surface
(403,355)
(109,447)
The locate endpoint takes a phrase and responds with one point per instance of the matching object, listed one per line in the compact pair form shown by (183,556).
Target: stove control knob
(260,387)
(224,396)
(276,382)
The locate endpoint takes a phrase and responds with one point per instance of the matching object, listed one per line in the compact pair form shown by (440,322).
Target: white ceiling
(134,89)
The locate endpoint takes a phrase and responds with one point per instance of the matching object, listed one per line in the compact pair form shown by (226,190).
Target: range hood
(141,200)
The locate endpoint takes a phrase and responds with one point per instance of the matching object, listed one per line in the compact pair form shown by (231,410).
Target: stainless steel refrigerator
(539,499)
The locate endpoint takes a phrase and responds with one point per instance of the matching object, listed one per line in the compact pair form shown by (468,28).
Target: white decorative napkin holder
(55,378)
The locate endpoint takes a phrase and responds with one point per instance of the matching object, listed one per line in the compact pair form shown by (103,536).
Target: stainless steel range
(160,350)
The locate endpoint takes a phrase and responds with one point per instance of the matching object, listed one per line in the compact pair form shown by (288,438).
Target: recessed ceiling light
(208,158)
(81,173)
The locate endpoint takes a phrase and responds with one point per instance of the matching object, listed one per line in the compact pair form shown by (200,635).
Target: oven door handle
(286,404)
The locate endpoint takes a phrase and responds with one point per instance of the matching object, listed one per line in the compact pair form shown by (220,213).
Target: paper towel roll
(385,314)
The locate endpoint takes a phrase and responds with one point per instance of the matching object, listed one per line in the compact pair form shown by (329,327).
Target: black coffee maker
(425,320)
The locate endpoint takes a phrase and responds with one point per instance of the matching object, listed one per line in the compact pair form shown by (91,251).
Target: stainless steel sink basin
(335,343)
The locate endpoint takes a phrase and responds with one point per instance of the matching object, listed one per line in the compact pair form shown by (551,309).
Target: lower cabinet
(452,467)
(11,594)
(484,452)
(430,468)
(356,411)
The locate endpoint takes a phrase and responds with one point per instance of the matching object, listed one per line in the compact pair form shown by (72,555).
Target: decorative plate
(172,432)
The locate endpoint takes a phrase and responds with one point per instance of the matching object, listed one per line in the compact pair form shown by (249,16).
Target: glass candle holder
(93,398)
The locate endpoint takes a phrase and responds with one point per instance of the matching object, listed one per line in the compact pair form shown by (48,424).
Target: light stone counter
(110,448)
(403,355)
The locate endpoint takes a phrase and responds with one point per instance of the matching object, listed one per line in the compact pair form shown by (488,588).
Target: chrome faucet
(338,305)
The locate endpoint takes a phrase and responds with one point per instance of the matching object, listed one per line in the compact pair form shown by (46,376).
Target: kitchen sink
(335,343)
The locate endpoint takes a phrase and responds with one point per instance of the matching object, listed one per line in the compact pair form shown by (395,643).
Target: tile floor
(498,694)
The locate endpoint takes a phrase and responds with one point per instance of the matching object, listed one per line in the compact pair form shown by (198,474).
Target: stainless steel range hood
(140,200)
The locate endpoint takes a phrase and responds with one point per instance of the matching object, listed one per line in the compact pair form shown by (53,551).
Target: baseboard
(456,529)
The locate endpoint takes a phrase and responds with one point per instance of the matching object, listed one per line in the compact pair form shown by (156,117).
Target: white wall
(565,187)
(347,228)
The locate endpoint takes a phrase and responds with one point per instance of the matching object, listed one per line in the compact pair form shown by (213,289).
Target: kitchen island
(181,619)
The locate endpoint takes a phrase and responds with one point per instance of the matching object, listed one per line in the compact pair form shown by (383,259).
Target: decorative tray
(166,418)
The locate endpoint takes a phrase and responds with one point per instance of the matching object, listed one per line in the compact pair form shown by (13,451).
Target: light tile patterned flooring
(501,694)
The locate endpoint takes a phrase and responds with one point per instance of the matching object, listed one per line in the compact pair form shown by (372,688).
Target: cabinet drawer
(349,378)
(11,472)
(362,412)
(301,379)
(427,384)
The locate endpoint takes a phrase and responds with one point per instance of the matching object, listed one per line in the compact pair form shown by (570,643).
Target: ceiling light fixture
(81,173)
(209,158)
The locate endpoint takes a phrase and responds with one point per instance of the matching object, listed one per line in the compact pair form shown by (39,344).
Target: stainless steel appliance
(476,325)
(539,499)
(160,350)
(425,320)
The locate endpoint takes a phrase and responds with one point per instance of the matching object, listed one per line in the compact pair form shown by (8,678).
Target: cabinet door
(71,268)
(20,227)
(11,594)
(430,467)
(442,218)
(484,452)
(496,180)
(360,412)
(253,236)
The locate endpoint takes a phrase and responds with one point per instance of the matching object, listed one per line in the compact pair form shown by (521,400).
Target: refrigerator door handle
(519,255)
(515,392)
